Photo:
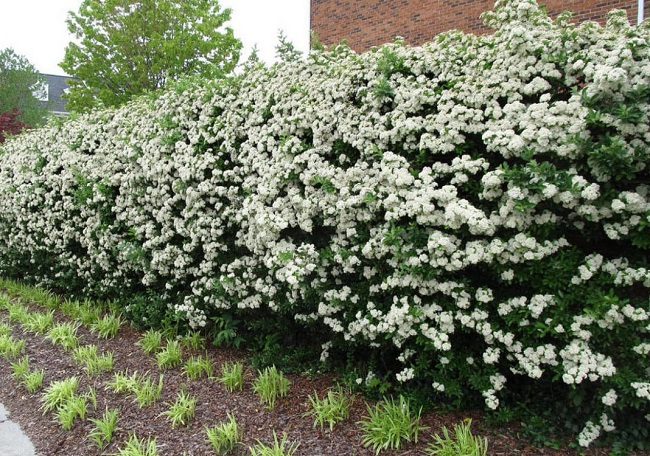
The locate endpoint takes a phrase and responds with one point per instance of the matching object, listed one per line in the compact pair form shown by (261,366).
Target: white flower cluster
(642,389)
(473,200)
(592,431)
(610,398)
(498,382)
(580,363)
(588,434)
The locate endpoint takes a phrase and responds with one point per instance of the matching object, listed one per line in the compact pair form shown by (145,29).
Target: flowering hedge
(471,215)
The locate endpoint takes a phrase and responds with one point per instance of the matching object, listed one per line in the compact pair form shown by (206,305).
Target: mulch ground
(214,402)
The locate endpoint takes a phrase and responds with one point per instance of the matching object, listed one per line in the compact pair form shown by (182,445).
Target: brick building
(366,23)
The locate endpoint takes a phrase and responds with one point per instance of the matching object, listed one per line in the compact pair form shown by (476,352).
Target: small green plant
(5,302)
(276,449)
(232,376)
(64,334)
(36,295)
(105,427)
(147,391)
(137,447)
(5,328)
(331,409)
(225,436)
(83,353)
(182,410)
(74,407)
(150,342)
(85,312)
(389,424)
(107,326)
(192,340)
(463,443)
(92,396)
(196,366)
(17,313)
(92,363)
(269,385)
(20,368)
(70,308)
(123,383)
(11,348)
(38,322)
(58,392)
(34,380)
(170,356)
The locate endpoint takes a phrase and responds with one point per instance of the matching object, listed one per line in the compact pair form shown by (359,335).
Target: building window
(42,92)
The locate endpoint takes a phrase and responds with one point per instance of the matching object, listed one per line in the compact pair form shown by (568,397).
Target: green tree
(19,81)
(127,47)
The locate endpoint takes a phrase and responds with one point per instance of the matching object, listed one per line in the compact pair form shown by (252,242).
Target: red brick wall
(366,23)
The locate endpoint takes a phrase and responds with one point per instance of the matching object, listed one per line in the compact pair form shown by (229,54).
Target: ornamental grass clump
(39,322)
(463,442)
(58,392)
(138,447)
(86,312)
(33,380)
(192,340)
(269,385)
(75,407)
(459,217)
(107,326)
(170,356)
(151,341)
(105,427)
(224,437)
(182,410)
(18,313)
(330,409)
(197,366)
(11,348)
(232,376)
(145,390)
(36,295)
(20,369)
(61,398)
(277,448)
(5,302)
(92,362)
(390,424)
(64,334)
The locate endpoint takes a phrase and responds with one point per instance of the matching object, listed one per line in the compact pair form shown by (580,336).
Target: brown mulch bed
(214,402)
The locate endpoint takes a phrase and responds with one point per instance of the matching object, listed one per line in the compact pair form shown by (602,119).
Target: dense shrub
(469,217)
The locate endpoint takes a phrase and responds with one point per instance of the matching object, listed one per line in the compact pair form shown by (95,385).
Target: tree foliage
(18,82)
(127,47)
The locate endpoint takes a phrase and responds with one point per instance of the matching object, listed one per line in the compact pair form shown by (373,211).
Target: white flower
(588,434)
(508,275)
(405,375)
(438,387)
(491,355)
(642,389)
(610,398)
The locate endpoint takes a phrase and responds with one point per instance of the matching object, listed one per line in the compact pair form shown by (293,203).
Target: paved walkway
(13,442)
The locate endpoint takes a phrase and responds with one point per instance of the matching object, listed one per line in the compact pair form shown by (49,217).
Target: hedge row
(469,218)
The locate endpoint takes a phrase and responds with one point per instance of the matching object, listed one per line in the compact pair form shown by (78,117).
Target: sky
(36,29)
